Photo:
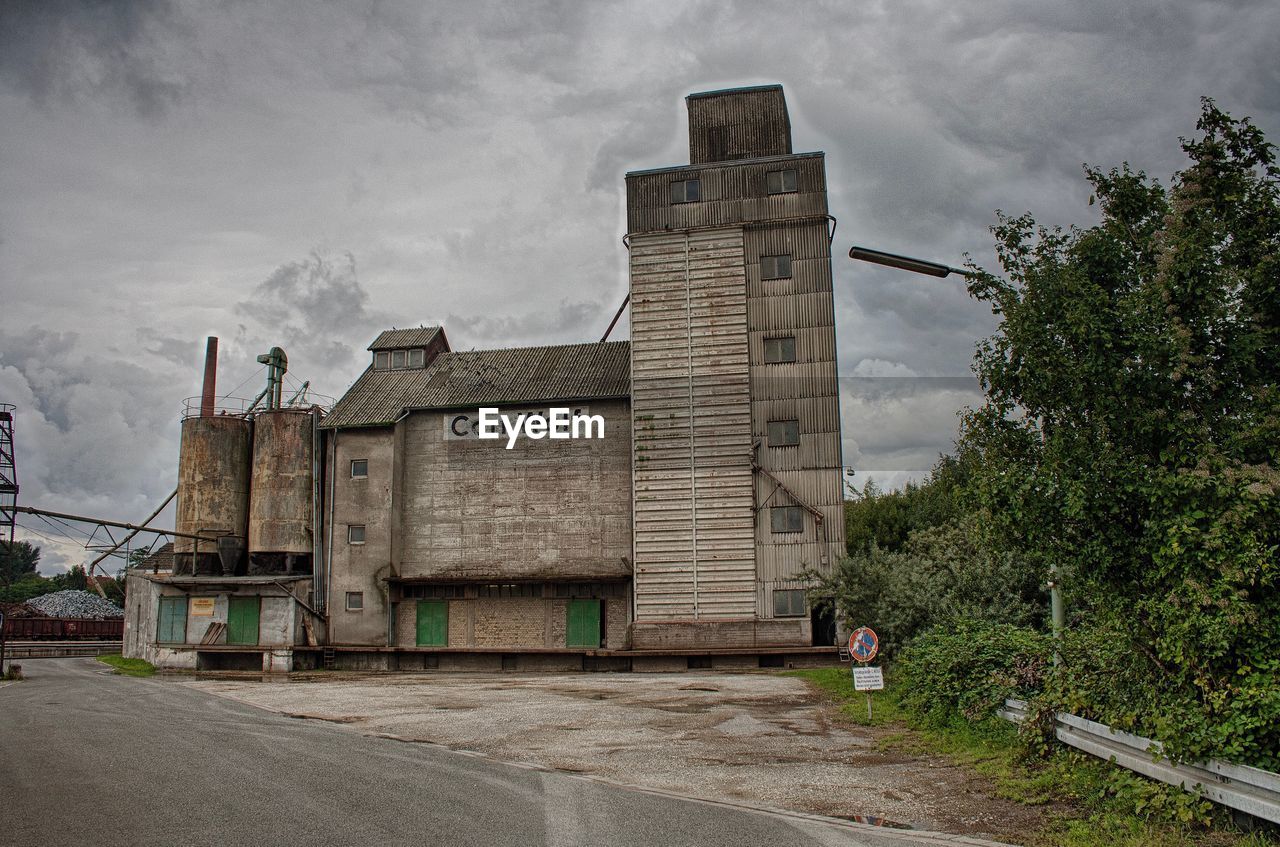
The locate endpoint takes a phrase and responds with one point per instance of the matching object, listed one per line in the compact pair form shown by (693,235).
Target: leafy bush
(943,574)
(969,668)
(1108,675)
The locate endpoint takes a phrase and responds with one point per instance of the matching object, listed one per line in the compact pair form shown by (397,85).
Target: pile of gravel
(76,604)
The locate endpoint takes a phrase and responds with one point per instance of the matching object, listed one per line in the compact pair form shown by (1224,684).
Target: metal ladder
(327,660)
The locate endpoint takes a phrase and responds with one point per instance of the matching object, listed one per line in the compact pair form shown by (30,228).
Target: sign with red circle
(864,644)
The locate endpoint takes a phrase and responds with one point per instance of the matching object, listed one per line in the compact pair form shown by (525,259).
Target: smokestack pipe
(210,377)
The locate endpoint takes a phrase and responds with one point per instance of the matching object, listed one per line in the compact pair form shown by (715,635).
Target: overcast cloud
(304,175)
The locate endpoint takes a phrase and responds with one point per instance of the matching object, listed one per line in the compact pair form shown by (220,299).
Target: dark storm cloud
(315,308)
(176,350)
(566,323)
(80,412)
(66,50)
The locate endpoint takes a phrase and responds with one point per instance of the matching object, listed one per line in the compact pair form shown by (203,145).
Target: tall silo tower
(735,404)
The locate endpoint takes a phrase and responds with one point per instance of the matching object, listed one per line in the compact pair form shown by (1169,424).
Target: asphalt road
(87,757)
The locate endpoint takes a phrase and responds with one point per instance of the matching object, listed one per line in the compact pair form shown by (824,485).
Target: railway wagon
(62,629)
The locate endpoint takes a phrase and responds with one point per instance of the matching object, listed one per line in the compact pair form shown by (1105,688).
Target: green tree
(885,520)
(75,579)
(18,561)
(137,556)
(1130,436)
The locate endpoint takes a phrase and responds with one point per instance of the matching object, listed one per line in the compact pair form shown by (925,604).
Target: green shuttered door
(242,620)
(584,623)
(433,623)
(172,628)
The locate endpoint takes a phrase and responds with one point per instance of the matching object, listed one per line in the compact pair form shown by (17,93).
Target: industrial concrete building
(387,533)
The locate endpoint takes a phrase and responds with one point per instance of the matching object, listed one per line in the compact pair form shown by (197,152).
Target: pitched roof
(399,339)
(161,559)
(481,377)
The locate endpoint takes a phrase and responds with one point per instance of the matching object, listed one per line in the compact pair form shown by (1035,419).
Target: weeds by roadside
(1095,801)
(128,667)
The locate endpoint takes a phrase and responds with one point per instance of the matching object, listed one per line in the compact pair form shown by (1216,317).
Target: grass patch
(128,667)
(1098,799)
(837,684)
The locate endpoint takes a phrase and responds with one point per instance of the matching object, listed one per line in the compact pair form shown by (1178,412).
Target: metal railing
(1250,790)
(59,649)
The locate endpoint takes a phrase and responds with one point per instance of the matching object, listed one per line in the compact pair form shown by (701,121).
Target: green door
(172,626)
(433,623)
(242,620)
(584,624)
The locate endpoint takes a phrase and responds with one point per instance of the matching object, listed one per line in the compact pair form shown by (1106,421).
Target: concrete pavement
(88,757)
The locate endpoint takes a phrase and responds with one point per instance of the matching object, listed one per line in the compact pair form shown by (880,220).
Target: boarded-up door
(242,620)
(583,629)
(172,624)
(433,623)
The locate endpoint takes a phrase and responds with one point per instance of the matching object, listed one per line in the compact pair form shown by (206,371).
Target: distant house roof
(597,371)
(160,560)
(399,339)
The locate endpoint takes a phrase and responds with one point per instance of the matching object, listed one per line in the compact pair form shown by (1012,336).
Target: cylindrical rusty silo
(213,487)
(283,482)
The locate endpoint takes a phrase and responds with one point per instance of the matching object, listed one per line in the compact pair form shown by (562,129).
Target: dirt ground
(762,739)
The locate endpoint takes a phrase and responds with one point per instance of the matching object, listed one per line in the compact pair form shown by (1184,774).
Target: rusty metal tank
(283,482)
(213,487)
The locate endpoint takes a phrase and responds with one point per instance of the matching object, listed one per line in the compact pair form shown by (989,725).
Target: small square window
(789,603)
(381,360)
(686,191)
(778,350)
(415,358)
(397,358)
(786,519)
(781,182)
(359,468)
(784,433)
(355,534)
(775,267)
(355,601)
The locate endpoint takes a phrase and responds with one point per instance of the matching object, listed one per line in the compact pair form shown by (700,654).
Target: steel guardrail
(1250,790)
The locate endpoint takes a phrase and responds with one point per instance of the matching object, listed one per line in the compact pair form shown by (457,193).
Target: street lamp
(905,263)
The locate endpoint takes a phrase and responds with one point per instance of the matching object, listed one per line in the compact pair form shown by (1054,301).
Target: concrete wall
(142,604)
(780,632)
(546,509)
(279,620)
(513,622)
(368,502)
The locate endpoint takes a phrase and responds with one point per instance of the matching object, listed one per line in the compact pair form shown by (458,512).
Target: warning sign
(201,607)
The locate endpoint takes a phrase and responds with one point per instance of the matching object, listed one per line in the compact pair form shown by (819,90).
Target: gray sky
(306,174)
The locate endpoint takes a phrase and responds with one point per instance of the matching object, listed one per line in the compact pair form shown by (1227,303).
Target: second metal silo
(283,482)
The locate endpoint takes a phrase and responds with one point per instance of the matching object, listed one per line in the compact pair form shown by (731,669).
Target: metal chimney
(210,377)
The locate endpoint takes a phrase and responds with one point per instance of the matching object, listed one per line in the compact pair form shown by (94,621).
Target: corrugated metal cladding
(738,123)
(690,402)
(732,193)
(487,377)
(697,314)
(805,391)
(399,339)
